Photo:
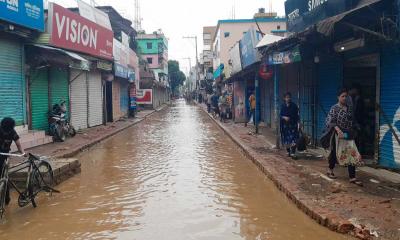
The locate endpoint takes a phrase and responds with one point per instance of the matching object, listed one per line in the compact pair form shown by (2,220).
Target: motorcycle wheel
(71,131)
(59,133)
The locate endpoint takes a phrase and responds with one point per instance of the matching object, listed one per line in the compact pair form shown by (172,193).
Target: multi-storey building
(228,32)
(153,48)
(207,56)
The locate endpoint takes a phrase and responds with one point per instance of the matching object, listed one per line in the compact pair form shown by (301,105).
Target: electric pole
(197,61)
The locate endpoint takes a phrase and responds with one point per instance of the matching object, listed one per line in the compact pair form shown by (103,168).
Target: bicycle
(39,178)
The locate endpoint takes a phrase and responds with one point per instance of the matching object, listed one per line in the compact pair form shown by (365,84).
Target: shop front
(351,50)
(17,28)
(120,94)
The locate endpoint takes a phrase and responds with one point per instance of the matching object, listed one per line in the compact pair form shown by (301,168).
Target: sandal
(356,182)
(331,175)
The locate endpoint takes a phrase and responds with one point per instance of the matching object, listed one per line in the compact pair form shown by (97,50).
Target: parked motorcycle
(59,126)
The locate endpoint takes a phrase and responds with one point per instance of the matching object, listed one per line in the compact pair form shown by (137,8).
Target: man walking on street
(209,96)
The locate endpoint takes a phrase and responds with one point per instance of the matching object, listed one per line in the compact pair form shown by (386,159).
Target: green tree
(176,76)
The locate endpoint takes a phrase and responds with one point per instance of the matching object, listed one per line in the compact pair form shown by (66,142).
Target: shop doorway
(360,77)
(109,101)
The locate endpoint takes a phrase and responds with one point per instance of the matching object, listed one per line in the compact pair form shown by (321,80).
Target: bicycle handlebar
(12,155)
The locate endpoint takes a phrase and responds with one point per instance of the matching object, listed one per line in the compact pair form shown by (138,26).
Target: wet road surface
(174,176)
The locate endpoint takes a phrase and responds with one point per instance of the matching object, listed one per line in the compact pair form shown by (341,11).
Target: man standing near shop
(252,103)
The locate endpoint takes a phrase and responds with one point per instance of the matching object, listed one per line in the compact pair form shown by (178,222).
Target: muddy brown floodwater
(174,176)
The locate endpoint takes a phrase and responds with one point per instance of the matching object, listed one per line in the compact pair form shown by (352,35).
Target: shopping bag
(347,152)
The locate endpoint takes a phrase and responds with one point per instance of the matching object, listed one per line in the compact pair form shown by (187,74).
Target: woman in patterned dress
(340,122)
(289,125)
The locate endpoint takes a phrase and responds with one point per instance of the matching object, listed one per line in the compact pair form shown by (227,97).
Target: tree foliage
(176,76)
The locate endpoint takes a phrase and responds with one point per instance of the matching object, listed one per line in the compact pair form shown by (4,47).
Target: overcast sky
(178,18)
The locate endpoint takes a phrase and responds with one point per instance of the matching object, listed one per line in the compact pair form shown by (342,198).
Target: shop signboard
(285,57)
(131,75)
(248,52)
(236,64)
(301,14)
(120,71)
(71,31)
(104,65)
(94,14)
(144,96)
(27,13)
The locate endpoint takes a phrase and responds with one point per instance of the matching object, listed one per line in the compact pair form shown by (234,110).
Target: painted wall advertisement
(27,13)
(71,31)
(239,101)
(144,96)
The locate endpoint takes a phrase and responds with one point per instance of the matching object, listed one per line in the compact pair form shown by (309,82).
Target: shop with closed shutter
(12,87)
(120,94)
(79,98)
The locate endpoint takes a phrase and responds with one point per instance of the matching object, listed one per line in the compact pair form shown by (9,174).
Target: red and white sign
(144,96)
(71,31)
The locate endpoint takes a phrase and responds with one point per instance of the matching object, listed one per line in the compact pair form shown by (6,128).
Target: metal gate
(330,78)
(389,147)
(116,99)
(12,84)
(39,98)
(79,99)
(95,99)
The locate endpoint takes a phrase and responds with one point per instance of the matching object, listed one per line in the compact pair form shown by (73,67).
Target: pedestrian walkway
(60,154)
(372,210)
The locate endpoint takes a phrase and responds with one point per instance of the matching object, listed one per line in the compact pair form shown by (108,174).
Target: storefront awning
(268,39)
(59,50)
(326,26)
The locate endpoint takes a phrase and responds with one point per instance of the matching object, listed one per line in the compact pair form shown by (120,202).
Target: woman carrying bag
(339,135)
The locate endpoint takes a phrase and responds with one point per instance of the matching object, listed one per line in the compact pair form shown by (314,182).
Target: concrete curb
(302,201)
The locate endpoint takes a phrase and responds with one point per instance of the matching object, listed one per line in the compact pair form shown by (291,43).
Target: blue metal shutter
(12,84)
(124,98)
(39,94)
(330,75)
(389,149)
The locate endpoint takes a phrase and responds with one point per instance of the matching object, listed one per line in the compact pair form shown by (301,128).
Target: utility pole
(197,61)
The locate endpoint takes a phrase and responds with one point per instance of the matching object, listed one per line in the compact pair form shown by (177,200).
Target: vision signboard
(27,13)
(71,31)
(301,14)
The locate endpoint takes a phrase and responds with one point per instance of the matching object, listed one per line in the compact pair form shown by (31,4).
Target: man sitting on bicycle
(7,136)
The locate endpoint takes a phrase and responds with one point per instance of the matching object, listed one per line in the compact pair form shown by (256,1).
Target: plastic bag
(347,152)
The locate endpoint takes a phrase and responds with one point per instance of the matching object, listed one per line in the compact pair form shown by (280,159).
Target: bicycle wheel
(3,193)
(42,178)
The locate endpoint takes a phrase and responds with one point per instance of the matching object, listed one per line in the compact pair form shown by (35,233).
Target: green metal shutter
(39,94)
(59,89)
(12,84)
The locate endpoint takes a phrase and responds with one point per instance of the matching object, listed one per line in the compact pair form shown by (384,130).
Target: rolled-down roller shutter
(95,99)
(124,98)
(59,87)
(79,99)
(389,148)
(39,94)
(116,99)
(12,84)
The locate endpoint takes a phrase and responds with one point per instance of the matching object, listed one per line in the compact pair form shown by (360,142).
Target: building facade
(229,32)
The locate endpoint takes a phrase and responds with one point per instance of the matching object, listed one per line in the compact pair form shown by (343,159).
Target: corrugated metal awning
(59,50)
(268,39)
(326,26)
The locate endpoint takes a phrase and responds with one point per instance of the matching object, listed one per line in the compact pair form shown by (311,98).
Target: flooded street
(173,176)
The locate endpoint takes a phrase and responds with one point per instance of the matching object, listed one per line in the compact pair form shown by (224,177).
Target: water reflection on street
(174,176)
